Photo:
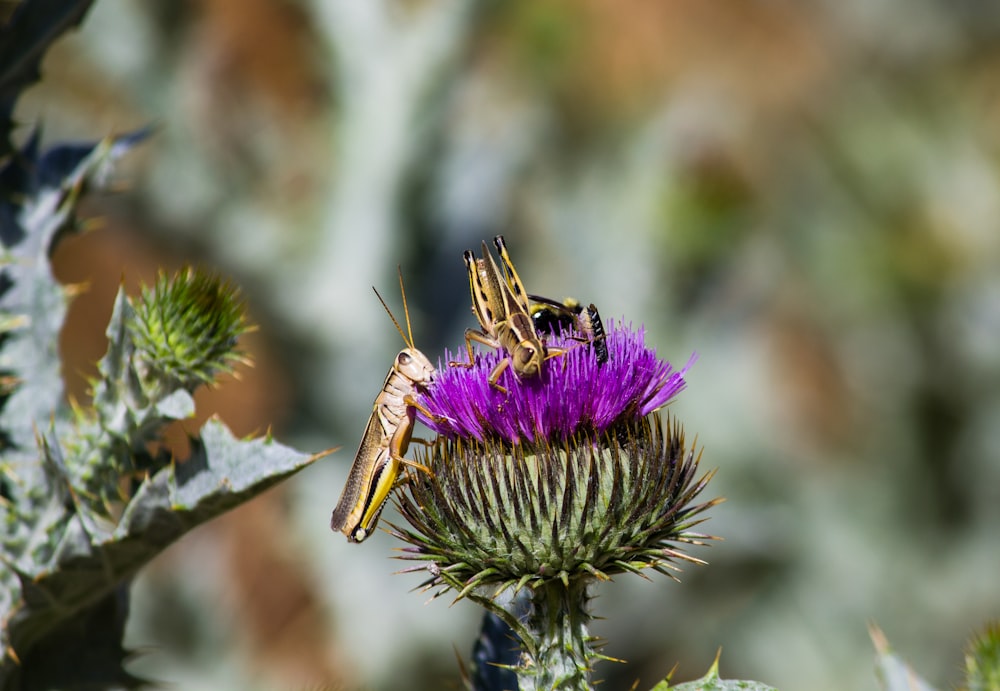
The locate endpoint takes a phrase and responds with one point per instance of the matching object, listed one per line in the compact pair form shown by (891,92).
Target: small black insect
(551,316)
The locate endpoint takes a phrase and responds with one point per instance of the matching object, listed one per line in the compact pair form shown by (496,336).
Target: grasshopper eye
(403,359)
(525,354)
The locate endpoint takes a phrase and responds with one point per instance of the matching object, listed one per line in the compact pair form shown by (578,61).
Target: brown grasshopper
(500,304)
(376,468)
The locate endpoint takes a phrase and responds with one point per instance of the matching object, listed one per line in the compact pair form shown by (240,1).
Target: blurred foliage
(85,498)
(893,673)
(982,660)
(805,193)
(25,36)
(88,495)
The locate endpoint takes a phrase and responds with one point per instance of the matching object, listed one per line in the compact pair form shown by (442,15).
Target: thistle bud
(185,330)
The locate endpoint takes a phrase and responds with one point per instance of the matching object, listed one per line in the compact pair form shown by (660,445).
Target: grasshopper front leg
(478,336)
(495,375)
(399,442)
(411,401)
(473,335)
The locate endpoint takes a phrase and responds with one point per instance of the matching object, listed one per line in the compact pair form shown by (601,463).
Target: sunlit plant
(543,489)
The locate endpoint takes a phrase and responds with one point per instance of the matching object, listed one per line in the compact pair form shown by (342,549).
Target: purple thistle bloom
(573,393)
(561,480)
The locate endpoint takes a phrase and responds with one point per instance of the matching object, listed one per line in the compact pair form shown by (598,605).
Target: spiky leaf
(24,40)
(38,197)
(92,559)
(893,673)
(712,682)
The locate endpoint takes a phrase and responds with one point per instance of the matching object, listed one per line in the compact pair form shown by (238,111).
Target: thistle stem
(557,624)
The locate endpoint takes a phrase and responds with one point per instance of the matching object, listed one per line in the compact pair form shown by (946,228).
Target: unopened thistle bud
(982,660)
(179,334)
(185,330)
(563,479)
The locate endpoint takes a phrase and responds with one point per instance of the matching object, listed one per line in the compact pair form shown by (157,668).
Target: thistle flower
(592,505)
(564,479)
(571,394)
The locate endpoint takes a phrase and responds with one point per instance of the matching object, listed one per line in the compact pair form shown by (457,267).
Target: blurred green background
(805,193)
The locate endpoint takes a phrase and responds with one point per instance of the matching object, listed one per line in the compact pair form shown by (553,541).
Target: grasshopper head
(414,366)
(527,358)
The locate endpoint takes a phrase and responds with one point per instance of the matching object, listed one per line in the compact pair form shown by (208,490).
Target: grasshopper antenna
(406,310)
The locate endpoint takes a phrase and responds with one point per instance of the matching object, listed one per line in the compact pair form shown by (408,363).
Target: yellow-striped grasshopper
(500,304)
(550,316)
(377,464)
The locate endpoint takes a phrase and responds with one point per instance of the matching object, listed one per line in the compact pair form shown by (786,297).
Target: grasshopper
(376,468)
(500,304)
(550,316)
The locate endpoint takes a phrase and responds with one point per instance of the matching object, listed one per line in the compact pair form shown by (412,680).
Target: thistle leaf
(24,40)
(38,196)
(85,504)
(893,673)
(92,561)
(83,653)
(712,682)
(716,684)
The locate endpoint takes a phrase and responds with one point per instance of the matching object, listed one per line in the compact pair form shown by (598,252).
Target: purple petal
(572,393)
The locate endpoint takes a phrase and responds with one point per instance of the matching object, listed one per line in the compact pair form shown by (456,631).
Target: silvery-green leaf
(712,682)
(87,567)
(893,673)
(24,41)
(32,303)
